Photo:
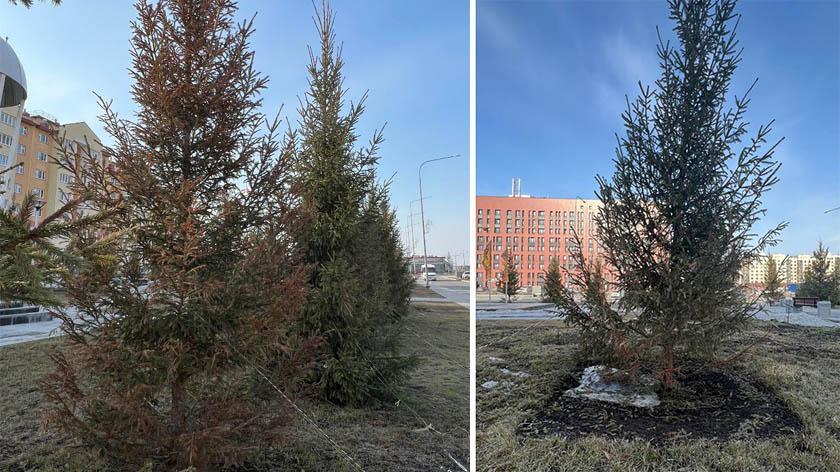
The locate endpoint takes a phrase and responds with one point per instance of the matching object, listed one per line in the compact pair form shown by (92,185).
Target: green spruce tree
(509,284)
(773,282)
(29,3)
(678,212)
(349,239)
(820,280)
(28,260)
(32,260)
(552,289)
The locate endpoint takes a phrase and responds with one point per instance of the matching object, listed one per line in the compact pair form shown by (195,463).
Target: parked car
(466,275)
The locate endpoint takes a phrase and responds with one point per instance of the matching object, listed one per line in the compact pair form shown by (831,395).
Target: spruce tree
(383,238)
(509,284)
(773,282)
(29,3)
(37,253)
(345,234)
(819,280)
(186,303)
(552,289)
(32,259)
(678,212)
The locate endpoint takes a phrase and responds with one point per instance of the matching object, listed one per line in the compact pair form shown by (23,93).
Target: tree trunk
(667,375)
(178,411)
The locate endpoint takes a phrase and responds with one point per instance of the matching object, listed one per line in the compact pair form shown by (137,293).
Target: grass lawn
(419,290)
(385,437)
(800,365)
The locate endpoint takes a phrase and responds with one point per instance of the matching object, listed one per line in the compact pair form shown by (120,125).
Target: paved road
(516,315)
(457,291)
(536,311)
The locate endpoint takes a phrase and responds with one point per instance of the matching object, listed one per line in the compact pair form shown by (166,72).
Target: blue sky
(412,57)
(551,80)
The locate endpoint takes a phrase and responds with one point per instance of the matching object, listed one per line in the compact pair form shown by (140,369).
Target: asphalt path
(457,291)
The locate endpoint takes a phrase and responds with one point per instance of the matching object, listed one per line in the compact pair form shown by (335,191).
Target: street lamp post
(413,239)
(422,215)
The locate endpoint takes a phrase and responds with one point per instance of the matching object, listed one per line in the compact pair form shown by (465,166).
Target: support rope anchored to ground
(349,458)
(427,425)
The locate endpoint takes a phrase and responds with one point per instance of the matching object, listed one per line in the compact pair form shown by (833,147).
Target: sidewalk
(21,333)
(518,306)
(806,317)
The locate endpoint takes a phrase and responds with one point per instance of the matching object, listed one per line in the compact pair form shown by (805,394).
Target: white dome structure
(12,96)
(12,77)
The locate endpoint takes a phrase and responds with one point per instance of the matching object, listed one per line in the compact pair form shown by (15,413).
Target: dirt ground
(776,409)
(718,405)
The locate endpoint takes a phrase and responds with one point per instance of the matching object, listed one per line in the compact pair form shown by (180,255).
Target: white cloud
(627,64)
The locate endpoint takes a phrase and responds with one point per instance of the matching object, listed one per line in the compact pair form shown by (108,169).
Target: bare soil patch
(718,405)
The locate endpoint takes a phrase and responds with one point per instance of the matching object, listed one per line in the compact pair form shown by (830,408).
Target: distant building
(441,265)
(791,268)
(535,231)
(36,150)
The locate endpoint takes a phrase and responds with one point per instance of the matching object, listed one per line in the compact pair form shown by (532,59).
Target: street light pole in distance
(413,239)
(422,215)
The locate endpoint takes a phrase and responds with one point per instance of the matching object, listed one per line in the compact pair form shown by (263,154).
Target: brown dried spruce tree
(180,350)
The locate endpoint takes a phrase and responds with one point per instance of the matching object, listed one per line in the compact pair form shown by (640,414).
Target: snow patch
(598,383)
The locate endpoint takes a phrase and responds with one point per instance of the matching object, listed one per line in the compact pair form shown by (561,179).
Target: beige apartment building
(39,174)
(791,268)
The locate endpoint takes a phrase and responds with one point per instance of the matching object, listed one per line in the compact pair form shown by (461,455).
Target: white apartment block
(791,268)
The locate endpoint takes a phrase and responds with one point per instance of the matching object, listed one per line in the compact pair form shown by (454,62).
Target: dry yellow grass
(384,437)
(802,365)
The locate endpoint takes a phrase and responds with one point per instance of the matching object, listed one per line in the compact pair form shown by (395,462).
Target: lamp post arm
(422,215)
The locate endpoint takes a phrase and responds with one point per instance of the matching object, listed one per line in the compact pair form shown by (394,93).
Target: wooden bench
(805,301)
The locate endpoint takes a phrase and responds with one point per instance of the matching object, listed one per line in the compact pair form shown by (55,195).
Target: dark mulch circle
(719,405)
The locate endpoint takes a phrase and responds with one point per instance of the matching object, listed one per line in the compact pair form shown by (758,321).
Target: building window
(5,139)
(4,159)
(7,118)
(19,169)
(40,174)
(17,188)
(38,192)
(21,149)
(66,178)
(23,131)
(42,138)
(42,156)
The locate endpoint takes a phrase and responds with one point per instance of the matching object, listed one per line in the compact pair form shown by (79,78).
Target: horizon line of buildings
(791,268)
(536,230)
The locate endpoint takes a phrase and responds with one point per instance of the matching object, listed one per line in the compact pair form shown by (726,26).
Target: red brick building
(535,230)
